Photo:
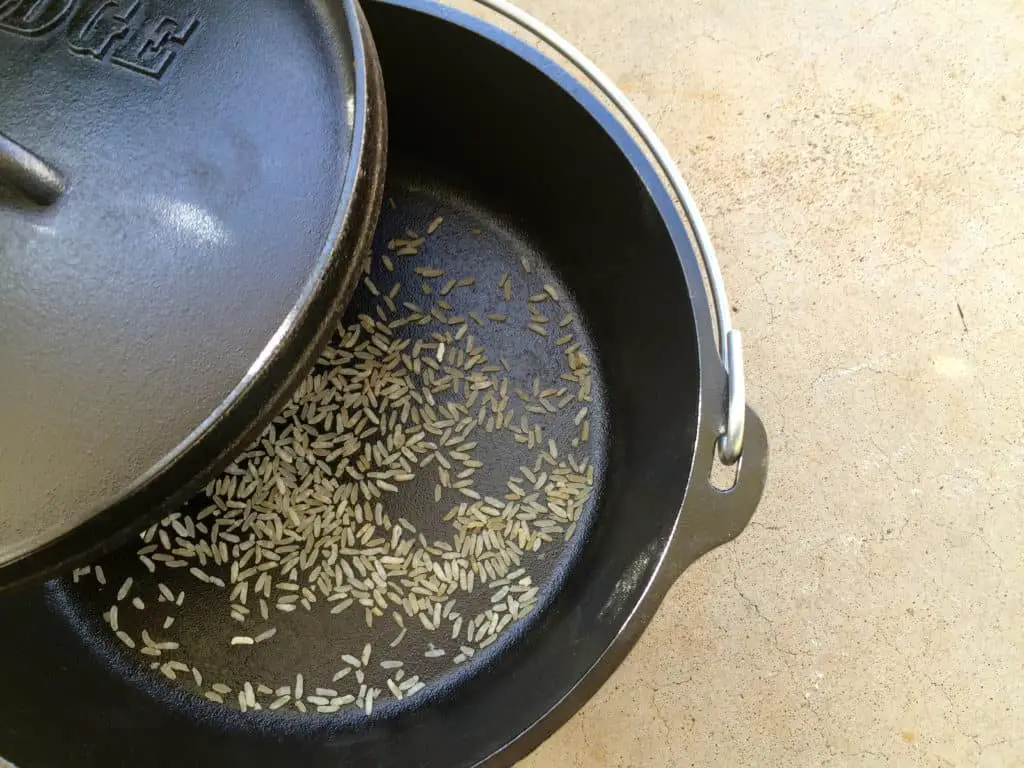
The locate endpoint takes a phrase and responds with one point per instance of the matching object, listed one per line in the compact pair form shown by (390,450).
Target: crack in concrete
(758,279)
(1005,244)
(773,634)
(658,714)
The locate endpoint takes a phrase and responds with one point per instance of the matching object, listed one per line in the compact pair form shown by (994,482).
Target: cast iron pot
(508,142)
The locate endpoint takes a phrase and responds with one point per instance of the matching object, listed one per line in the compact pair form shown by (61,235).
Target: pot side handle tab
(710,516)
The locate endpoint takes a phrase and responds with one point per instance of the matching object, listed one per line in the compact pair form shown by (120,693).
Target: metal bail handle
(730,443)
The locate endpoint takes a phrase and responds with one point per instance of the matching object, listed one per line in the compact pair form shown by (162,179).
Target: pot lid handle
(730,442)
(28,173)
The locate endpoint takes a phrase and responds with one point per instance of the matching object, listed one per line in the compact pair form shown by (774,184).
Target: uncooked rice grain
(299,523)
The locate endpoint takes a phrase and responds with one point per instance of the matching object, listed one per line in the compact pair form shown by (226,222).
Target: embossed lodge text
(116,31)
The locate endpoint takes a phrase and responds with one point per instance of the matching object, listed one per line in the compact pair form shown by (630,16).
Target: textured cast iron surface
(501,137)
(214,202)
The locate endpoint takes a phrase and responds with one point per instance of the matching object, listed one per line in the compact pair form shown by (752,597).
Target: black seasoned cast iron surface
(220,170)
(471,242)
(501,140)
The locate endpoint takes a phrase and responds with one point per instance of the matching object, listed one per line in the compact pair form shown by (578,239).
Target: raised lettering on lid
(119,32)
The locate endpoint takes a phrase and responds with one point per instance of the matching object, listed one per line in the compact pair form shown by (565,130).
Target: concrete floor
(861,167)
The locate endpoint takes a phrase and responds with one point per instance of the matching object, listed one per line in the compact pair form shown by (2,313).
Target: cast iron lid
(185,189)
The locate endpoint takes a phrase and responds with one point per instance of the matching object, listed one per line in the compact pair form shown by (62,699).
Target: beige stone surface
(861,167)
